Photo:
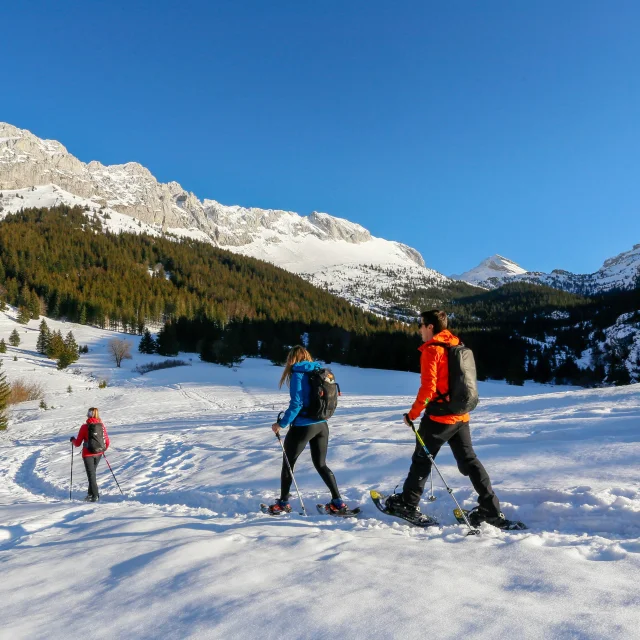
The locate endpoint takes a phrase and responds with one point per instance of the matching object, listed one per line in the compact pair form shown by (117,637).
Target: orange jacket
(434,377)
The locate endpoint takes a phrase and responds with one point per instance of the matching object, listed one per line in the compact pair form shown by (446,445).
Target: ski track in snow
(188,554)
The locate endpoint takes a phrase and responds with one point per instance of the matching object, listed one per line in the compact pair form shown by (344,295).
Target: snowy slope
(187,555)
(329,251)
(620,272)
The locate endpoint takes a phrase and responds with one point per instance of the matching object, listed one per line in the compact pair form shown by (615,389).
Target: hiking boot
(337,506)
(88,498)
(280,507)
(479,515)
(396,504)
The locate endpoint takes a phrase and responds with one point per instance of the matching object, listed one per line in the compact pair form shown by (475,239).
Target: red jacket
(434,377)
(83,438)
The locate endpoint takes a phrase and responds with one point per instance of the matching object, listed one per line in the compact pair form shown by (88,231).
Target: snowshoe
(477,516)
(280,508)
(395,506)
(331,509)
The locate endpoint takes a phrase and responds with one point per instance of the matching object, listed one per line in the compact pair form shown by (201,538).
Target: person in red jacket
(436,431)
(95,441)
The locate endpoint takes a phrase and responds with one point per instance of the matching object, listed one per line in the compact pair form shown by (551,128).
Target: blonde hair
(297,354)
(93,413)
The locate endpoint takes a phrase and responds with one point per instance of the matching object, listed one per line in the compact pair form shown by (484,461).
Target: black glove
(71,439)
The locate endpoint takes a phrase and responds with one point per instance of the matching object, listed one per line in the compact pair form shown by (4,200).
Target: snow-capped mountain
(331,252)
(621,272)
(495,267)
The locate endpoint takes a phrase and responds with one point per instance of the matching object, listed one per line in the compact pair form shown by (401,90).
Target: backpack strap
(440,397)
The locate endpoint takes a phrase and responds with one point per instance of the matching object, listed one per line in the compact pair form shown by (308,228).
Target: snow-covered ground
(187,554)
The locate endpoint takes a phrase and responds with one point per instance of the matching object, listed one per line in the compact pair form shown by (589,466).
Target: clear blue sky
(514,125)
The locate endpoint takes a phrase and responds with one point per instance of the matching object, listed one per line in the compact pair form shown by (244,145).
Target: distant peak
(494,266)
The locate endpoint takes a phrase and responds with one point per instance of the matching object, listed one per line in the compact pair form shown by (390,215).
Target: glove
(71,439)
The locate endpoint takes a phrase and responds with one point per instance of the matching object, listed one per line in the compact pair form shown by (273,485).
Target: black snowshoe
(395,506)
(330,509)
(277,509)
(477,516)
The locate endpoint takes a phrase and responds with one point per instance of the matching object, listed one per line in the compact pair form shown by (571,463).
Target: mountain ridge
(332,252)
(618,272)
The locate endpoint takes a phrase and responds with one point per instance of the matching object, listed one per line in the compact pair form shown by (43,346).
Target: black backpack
(95,437)
(323,396)
(463,386)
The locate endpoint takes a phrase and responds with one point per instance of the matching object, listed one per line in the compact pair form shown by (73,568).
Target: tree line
(225,306)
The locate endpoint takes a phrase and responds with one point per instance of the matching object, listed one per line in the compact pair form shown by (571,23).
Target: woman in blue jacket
(302,431)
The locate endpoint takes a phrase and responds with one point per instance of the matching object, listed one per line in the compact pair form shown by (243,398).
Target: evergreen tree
(147,344)
(83,314)
(515,373)
(168,341)
(543,372)
(24,315)
(14,338)
(34,306)
(44,338)
(3,346)
(5,392)
(65,359)
(71,347)
(618,373)
(56,345)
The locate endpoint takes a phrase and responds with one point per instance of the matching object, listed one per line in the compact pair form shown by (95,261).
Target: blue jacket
(299,390)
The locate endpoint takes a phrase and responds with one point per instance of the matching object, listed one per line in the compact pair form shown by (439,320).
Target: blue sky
(460,128)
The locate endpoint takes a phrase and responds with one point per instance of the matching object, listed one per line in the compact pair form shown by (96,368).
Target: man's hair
(435,317)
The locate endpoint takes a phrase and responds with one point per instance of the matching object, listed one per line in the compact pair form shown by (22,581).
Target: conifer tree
(56,345)
(24,315)
(3,346)
(14,338)
(34,306)
(71,347)
(65,359)
(147,344)
(44,338)
(168,341)
(83,314)
(5,392)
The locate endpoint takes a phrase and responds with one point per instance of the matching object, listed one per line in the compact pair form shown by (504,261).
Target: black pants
(434,435)
(317,435)
(91,464)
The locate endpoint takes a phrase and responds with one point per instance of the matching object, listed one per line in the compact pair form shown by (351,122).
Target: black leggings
(90,465)
(317,435)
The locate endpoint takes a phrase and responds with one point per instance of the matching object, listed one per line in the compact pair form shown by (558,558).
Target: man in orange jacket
(435,431)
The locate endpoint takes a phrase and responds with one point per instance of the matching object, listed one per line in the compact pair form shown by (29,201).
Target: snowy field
(187,554)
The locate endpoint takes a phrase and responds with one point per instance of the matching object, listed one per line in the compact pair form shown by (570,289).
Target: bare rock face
(339,228)
(26,160)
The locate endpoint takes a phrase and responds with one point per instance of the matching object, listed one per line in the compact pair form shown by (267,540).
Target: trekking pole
(284,453)
(71,481)
(113,474)
(472,531)
(431,498)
